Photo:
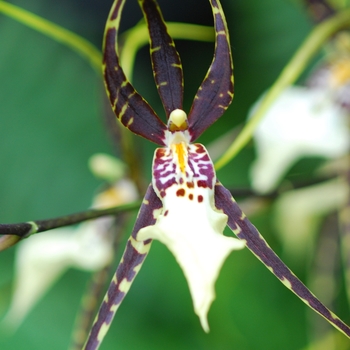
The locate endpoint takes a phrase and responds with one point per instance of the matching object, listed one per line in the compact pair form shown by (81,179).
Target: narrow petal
(130,264)
(129,106)
(244,230)
(216,91)
(167,69)
(189,224)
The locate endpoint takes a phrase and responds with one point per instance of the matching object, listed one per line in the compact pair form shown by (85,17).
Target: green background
(51,106)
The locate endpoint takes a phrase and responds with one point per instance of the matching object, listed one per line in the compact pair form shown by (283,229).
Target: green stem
(25,229)
(78,44)
(288,76)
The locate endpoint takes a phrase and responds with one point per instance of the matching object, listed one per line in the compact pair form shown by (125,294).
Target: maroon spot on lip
(166,213)
(190,196)
(190,184)
(200,199)
(202,183)
(180,192)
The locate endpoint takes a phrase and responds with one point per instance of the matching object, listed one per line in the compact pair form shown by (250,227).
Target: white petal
(42,259)
(190,225)
(301,122)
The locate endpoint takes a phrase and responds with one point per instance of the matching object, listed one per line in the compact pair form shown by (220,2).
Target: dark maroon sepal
(216,91)
(126,271)
(245,230)
(129,106)
(166,64)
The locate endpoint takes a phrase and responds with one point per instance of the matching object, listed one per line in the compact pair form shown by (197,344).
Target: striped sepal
(246,231)
(216,91)
(131,262)
(129,106)
(165,59)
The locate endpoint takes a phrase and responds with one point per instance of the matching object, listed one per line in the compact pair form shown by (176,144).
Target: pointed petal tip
(204,323)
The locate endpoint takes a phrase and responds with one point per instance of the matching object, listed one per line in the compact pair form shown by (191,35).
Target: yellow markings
(286,282)
(137,268)
(176,65)
(340,72)
(123,110)
(102,332)
(212,81)
(124,83)
(145,201)
(163,83)
(131,95)
(124,285)
(269,268)
(114,279)
(242,216)
(180,150)
(221,32)
(221,95)
(154,49)
(238,230)
(114,308)
(216,10)
(131,120)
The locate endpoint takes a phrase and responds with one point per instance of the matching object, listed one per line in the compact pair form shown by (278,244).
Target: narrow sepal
(128,105)
(166,64)
(216,91)
(246,231)
(130,264)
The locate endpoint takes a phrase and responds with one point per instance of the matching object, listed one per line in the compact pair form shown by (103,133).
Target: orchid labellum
(185,206)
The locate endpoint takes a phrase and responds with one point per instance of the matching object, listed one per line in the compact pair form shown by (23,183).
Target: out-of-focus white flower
(299,213)
(43,258)
(302,122)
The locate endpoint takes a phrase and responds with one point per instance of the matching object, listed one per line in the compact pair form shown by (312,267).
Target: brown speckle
(201,183)
(180,192)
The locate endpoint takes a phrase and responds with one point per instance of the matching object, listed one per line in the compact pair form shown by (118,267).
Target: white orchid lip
(189,224)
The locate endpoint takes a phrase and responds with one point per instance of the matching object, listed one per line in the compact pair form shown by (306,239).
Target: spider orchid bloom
(185,206)
(180,204)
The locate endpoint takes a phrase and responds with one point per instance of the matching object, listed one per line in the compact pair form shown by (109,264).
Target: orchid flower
(301,122)
(185,206)
(309,120)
